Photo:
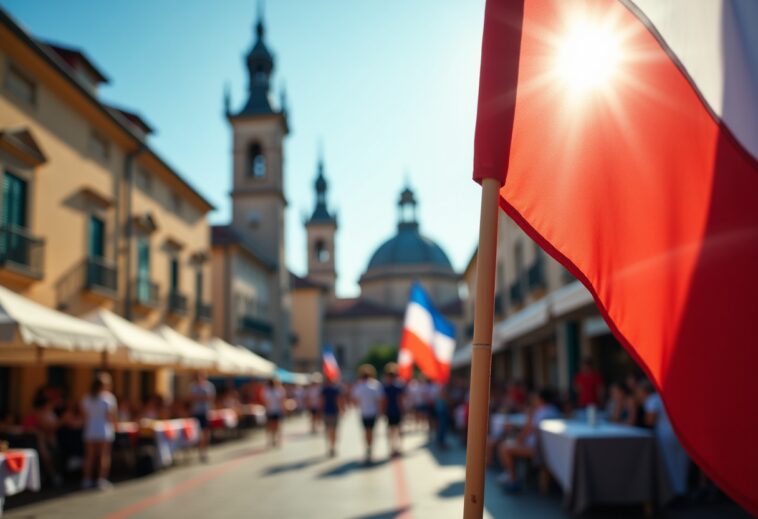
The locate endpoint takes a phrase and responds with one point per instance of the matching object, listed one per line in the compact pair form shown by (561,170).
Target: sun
(587,55)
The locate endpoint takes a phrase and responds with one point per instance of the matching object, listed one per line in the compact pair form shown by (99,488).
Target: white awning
(522,322)
(191,353)
(261,367)
(239,360)
(47,328)
(135,344)
(569,298)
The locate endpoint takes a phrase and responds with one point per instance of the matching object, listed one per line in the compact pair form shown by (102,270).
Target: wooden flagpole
(481,351)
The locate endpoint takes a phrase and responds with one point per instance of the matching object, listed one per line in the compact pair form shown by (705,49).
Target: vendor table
(19,471)
(603,464)
(223,419)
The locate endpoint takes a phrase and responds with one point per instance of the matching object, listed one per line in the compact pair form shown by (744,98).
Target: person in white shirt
(274,397)
(99,408)
(202,395)
(368,394)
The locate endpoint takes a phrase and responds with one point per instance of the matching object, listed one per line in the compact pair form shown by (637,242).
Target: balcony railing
(254,325)
(100,275)
(146,293)
(177,303)
(21,251)
(203,311)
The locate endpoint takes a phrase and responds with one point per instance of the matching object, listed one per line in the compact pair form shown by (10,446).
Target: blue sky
(388,86)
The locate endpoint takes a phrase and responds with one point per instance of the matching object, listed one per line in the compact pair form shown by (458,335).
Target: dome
(409,247)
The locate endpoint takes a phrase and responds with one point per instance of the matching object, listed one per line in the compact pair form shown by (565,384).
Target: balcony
(255,326)
(20,252)
(516,293)
(535,276)
(100,277)
(177,303)
(203,312)
(146,294)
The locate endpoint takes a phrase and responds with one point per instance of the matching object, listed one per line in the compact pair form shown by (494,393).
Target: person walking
(394,390)
(367,394)
(202,395)
(274,397)
(99,410)
(332,406)
(313,396)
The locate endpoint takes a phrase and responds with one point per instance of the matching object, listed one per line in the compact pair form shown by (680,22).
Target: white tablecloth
(604,463)
(174,435)
(26,479)
(558,443)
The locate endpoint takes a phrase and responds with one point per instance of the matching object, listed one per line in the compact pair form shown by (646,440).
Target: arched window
(257,161)
(322,253)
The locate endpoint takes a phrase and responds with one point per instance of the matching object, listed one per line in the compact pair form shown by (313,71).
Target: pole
(481,351)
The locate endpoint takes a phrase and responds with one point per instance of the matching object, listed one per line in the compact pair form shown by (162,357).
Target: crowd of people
(84,431)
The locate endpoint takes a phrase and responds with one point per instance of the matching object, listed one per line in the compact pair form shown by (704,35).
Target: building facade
(90,216)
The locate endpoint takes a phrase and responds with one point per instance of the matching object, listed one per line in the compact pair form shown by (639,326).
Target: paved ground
(298,481)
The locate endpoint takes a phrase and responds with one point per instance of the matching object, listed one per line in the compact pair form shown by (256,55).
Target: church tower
(258,200)
(321,228)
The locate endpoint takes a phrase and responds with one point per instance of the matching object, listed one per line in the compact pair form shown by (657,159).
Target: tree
(379,355)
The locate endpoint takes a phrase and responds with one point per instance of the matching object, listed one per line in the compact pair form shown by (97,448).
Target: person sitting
(525,444)
(588,385)
(70,425)
(43,423)
(621,407)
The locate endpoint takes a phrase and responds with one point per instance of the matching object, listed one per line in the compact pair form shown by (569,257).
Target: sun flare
(587,56)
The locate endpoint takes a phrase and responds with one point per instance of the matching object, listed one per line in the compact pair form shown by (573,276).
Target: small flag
(428,338)
(330,366)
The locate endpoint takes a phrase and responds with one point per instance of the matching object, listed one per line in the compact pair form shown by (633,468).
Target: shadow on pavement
(452,490)
(295,465)
(350,466)
(389,514)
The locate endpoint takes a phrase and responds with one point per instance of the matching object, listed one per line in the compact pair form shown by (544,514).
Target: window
(98,147)
(14,201)
(143,268)
(20,86)
(199,286)
(322,253)
(257,161)
(174,274)
(96,242)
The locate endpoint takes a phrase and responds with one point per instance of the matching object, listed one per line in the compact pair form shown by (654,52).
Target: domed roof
(409,247)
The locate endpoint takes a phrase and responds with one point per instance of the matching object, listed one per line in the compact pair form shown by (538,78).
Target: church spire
(321,212)
(407,205)
(260,68)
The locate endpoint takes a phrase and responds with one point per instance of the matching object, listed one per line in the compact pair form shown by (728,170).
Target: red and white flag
(330,366)
(625,137)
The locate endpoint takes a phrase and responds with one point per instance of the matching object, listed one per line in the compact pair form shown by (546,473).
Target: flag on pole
(428,338)
(625,136)
(330,367)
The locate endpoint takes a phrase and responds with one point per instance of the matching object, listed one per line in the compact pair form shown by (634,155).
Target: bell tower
(321,229)
(258,201)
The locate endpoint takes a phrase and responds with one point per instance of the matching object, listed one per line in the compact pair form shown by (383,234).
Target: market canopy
(25,323)
(236,360)
(192,355)
(135,344)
